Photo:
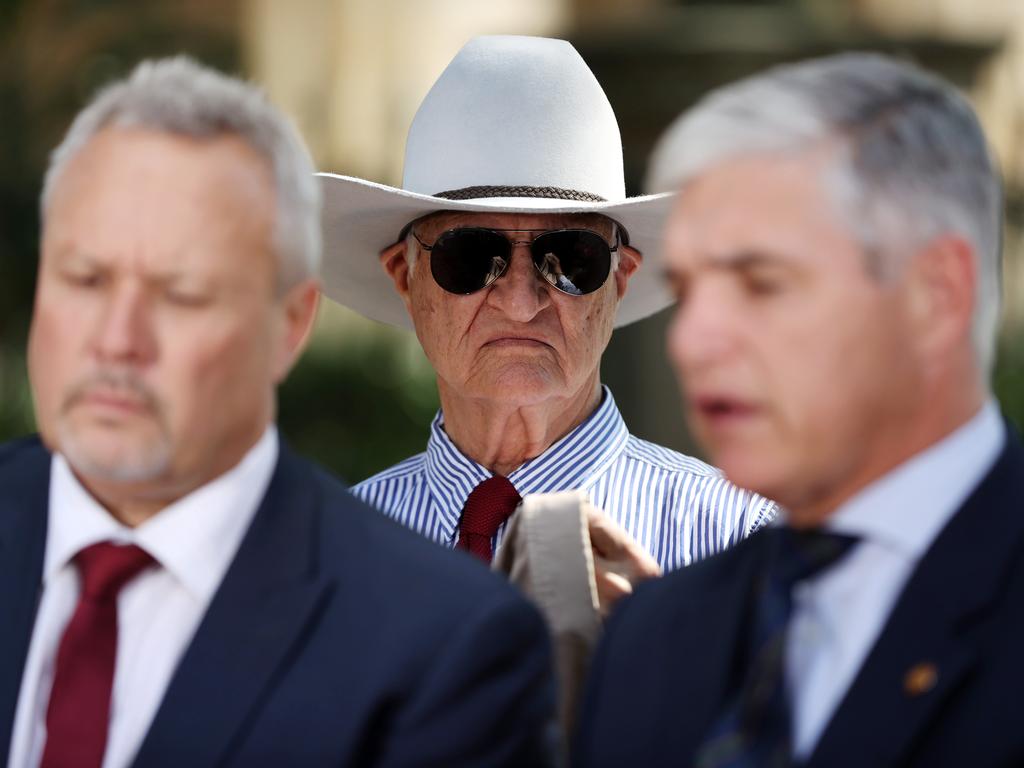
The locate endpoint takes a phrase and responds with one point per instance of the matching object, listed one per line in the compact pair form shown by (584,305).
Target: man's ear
(393,259)
(629,262)
(942,278)
(299,307)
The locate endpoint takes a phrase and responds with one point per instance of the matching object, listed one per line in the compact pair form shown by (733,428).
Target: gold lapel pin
(920,678)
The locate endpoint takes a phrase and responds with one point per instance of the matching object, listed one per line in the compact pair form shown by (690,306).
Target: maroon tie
(487,507)
(78,714)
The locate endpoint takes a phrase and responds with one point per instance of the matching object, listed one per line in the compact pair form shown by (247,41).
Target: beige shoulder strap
(546,553)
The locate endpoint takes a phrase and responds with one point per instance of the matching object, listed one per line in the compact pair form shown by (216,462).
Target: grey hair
(181,97)
(912,161)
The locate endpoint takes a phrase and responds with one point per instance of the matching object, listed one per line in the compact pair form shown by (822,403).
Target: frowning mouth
(517,341)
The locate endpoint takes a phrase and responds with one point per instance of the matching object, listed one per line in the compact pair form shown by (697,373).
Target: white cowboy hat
(516,124)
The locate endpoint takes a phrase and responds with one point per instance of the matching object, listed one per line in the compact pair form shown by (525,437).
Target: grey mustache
(118,381)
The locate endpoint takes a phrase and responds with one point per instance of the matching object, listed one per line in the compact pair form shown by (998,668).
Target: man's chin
(749,467)
(522,384)
(115,458)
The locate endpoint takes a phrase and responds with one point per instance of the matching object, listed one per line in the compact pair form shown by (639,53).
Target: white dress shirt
(193,541)
(838,616)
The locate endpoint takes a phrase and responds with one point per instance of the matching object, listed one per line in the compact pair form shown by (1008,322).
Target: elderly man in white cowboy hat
(514,252)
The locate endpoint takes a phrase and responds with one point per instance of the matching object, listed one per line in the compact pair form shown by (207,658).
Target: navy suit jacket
(668,662)
(336,638)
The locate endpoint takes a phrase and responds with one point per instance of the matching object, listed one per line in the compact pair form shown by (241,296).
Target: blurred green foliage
(1008,381)
(359,402)
(356,404)
(363,396)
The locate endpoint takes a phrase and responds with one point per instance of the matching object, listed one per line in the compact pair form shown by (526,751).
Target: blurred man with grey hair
(835,250)
(177,588)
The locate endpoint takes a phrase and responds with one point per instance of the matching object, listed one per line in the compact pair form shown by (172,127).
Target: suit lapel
(934,634)
(710,630)
(268,598)
(917,662)
(23,512)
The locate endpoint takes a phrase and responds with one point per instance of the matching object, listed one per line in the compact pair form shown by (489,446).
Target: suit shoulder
(15,453)
(24,476)
(391,554)
(659,597)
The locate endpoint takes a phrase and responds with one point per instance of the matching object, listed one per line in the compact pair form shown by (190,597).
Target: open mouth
(720,408)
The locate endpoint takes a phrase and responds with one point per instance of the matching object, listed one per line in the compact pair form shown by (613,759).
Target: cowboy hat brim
(361,218)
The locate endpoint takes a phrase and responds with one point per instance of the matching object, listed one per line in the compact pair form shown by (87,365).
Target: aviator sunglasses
(574,261)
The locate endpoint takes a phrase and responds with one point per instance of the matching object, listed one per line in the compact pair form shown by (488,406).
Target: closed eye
(90,279)
(762,285)
(185,299)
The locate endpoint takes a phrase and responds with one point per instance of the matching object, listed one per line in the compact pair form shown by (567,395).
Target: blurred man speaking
(835,250)
(176,587)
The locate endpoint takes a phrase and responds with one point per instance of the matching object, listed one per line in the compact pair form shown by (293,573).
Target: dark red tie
(78,715)
(487,507)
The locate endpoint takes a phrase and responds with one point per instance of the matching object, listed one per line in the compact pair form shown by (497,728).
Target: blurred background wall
(352,72)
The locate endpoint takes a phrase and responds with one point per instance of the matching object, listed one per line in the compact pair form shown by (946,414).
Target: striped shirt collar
(573,462)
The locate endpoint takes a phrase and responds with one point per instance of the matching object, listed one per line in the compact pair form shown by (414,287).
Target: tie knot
(106,567)
(488,506)
(804,552)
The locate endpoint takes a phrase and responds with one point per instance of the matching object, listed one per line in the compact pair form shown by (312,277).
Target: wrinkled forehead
(438,222)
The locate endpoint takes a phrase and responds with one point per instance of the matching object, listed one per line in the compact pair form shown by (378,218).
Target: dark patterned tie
(78,715)
(754,729)
(487,507)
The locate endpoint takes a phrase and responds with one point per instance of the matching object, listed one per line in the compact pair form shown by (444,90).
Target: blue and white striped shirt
(678,508)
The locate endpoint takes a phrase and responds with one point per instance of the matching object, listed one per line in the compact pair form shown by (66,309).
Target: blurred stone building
(352,72)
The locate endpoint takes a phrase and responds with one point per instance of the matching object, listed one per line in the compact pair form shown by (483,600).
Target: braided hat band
(556,193)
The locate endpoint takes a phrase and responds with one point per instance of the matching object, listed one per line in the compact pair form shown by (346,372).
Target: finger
(606,536)
(611,587)
(611,541)
(614,583)
(644,566)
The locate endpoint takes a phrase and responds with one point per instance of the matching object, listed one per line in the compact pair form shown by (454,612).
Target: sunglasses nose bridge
(520,268)
(531,254)
(520,292)
(525,250)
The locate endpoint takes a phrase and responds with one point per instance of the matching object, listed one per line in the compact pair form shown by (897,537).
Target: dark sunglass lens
(465,260)
(574,261)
